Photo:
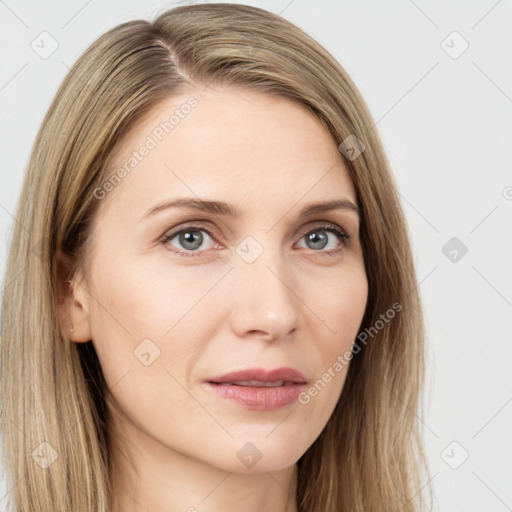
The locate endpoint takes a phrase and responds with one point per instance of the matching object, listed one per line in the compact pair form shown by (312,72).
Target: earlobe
(72,306)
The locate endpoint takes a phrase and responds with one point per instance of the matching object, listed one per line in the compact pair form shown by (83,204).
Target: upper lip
(286,374)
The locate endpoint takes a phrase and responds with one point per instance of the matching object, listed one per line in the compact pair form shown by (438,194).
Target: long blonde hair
(370,455)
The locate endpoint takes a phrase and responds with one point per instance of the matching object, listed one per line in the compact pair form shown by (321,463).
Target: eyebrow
(223,208)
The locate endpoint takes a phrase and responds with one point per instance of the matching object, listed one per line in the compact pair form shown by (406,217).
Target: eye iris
(314,238)
(193,237)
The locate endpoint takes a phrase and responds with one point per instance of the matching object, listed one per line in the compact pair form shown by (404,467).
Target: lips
(260,377)
(259,389)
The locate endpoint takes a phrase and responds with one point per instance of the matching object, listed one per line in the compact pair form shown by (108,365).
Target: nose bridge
(264,298)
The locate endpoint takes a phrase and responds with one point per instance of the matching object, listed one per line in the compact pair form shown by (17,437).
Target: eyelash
(331,228)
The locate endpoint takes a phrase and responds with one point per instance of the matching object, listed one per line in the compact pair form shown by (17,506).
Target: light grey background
(446,123)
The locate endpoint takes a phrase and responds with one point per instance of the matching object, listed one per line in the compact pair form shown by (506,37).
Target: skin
(175,443)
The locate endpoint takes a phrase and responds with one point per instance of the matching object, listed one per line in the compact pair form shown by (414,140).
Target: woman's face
(268,288)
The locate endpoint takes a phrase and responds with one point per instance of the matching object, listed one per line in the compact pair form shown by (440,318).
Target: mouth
(256,383)
(259,389)
(261,377)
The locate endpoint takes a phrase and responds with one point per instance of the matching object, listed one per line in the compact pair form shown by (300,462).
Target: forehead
(231,144)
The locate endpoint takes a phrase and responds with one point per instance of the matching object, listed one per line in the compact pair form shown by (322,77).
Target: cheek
(339,308)
(140,329)
(142,314)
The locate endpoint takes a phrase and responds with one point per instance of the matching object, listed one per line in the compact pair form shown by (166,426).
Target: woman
(211,301)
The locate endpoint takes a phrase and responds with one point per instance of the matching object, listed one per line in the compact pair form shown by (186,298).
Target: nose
(265,299)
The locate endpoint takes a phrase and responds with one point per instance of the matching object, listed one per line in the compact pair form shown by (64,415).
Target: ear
(72,301)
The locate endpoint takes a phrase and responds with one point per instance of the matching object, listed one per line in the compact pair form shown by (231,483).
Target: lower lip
(258,398)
